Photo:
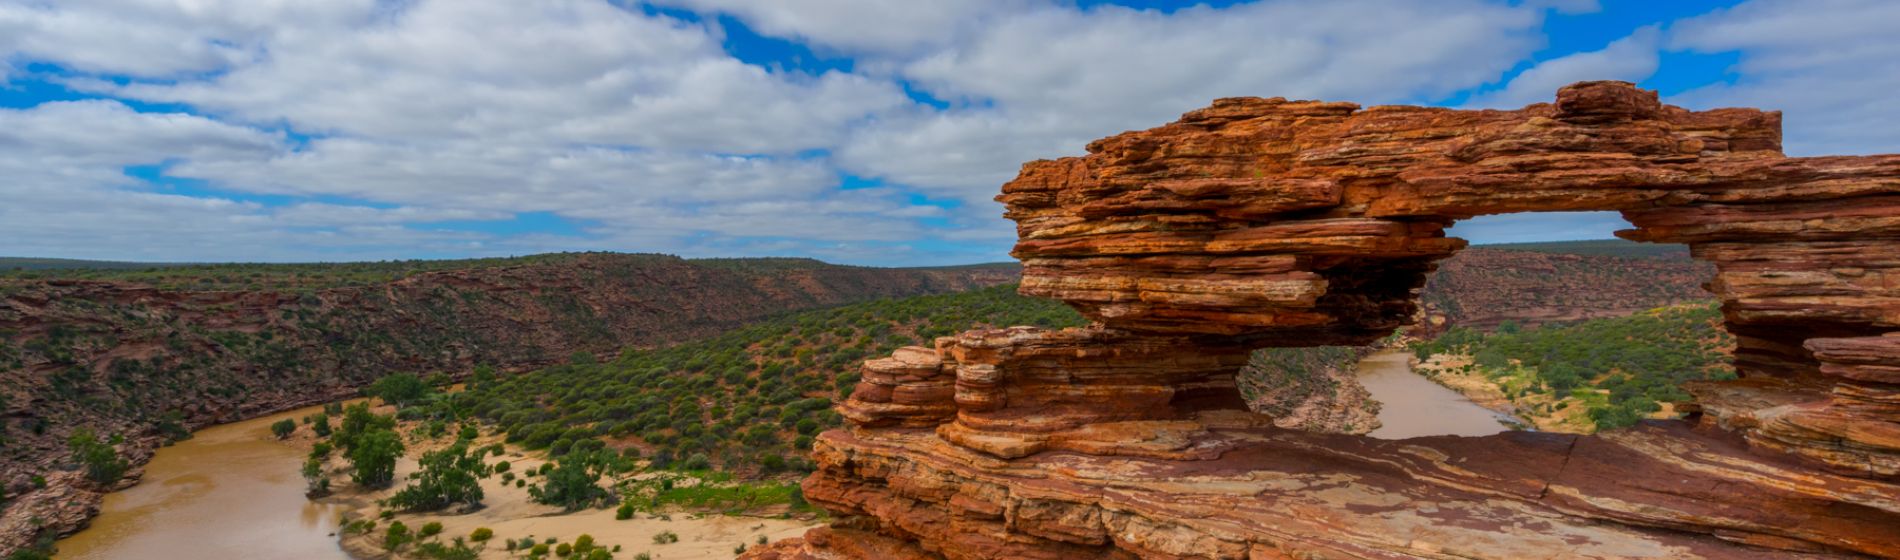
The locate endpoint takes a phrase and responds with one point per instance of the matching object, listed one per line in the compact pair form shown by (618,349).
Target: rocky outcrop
(129,358)
(1266,222)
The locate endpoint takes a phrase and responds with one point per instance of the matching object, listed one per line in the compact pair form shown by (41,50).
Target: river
(233,492)
(230,491)
(1413,406)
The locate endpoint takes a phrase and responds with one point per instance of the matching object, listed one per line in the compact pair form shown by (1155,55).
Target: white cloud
(1830,65)
(878,27)
(649,135)
(1630,59)
(565,71)
(159,38)
(1044,83)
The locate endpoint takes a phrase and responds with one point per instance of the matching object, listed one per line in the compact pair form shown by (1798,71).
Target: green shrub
(430,529)
(449,476)
(625,512)
(320,424)
(396,536)
(399,389)
(283,428)
(481,534)
(666,537)
(101,461)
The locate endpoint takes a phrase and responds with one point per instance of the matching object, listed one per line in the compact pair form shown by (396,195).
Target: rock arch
(1267,222)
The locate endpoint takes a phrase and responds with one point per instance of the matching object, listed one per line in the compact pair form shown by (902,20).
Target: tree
(101,461)
(373,458)
(449,476)
(358,420)
(572,484)
(283,428)
(400,389)
(320,424)
(316,485)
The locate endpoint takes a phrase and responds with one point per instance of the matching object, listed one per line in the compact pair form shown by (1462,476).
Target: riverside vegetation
(714,426)
(1589,375)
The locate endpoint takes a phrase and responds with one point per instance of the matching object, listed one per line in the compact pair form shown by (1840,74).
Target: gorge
(1265,222)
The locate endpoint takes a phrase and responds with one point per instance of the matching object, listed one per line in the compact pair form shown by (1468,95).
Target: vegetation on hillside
(749,400)
(1618,369)
(324,275)
(1598,247)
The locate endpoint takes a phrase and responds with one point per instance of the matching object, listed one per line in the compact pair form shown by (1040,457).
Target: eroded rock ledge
(1266,222)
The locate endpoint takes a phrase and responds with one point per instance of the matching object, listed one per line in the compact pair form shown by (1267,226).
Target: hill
(1596,247)
(1538,283)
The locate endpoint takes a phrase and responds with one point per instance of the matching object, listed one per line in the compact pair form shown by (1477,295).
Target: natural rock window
(1265,222)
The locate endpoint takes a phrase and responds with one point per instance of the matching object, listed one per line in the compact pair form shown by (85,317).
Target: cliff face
(132,359)
(1264,222)
(1483,287)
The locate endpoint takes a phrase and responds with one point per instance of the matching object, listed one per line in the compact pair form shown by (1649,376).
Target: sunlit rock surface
(1266,222)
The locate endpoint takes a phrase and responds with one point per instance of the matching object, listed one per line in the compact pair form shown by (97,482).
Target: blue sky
(856,131)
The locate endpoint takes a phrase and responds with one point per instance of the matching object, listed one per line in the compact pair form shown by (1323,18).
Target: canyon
(139,357)
(1271,223)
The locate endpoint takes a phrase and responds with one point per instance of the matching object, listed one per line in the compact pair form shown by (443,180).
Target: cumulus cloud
(67,194)
(1831,65)
(378,129)
(878,27)
(1630,59)
(1045,82)
(565,71)
(159,38)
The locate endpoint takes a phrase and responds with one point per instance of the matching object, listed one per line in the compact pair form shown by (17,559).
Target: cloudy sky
(856,131)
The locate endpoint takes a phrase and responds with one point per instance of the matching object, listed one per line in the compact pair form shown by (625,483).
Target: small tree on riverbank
(283,428)
(373,457)
(101,461)
(448,477)
(400,389)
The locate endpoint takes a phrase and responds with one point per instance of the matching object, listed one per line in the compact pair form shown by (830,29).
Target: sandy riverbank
(511,514)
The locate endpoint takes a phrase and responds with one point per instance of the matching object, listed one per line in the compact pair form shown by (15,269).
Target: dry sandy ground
(512,515)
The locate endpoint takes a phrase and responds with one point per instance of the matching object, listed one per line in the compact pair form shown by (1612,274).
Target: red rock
(1266,222)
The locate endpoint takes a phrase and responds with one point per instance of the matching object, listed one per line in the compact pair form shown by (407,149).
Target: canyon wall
(129,357)
(1266,222)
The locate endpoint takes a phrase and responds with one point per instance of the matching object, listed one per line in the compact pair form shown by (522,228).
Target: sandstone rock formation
(1266,222)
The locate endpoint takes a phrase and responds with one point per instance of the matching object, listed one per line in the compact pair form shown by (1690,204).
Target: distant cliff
(140,353)
(1485,286)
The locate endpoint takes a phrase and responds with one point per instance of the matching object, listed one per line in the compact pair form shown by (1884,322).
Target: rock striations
(1267,222)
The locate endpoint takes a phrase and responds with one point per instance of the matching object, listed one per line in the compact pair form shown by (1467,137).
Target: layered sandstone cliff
(1266,222)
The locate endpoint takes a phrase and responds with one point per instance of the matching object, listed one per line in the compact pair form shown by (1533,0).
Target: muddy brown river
(230,491)
(1413,406)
